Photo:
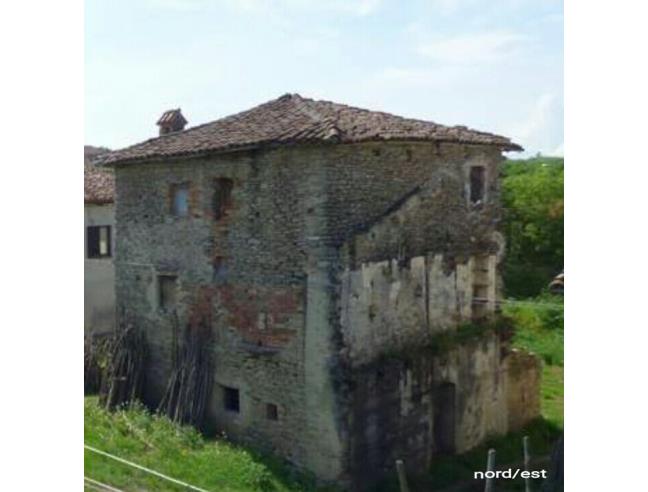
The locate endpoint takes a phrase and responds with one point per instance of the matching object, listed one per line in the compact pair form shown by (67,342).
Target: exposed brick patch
(261,314)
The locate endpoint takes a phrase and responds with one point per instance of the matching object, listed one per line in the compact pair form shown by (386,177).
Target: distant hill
(90,152)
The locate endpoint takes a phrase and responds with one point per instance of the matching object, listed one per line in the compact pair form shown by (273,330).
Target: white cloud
(539,132)
(538,118)
(407,78)
(474,48)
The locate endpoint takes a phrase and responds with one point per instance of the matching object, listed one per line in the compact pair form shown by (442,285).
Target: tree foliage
(532,194)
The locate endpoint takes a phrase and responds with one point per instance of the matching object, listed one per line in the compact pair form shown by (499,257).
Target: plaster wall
(99,274)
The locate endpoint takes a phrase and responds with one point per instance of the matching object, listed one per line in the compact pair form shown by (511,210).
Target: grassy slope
(179,452)
(540,329)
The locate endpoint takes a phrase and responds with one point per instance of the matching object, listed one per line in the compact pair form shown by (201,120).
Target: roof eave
(503,146)
(97,201)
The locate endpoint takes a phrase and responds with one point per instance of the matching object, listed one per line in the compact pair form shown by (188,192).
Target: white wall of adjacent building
(99,290)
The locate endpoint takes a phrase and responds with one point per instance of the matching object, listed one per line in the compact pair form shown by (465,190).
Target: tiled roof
(98,184)
(292,119)
(170,116)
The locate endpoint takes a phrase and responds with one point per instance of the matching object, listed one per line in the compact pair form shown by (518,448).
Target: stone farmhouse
(99,220)
(348,263)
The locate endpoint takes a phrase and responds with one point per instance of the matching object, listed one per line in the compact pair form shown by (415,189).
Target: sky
(492,65)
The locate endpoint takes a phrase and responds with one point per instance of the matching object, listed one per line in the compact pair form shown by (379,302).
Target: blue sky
(493,65)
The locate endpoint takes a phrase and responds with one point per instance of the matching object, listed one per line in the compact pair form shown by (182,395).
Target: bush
(533,199)
(539,326)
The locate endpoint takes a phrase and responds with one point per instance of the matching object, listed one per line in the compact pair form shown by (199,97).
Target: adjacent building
(99,244)
(348,263)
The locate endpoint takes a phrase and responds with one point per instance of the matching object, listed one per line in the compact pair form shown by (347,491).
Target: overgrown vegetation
(533,198)
(122,379)
(96,355)
(457,470)
(178,451)
(540,329)
(442,342)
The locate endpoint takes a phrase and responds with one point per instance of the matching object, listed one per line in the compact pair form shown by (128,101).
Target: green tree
(533,197)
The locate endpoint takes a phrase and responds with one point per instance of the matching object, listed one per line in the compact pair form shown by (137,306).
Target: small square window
(219,270)
(222,197)
(231,399)
(180,199)
(168,286)
(477,184)
(98,239)
(272,411)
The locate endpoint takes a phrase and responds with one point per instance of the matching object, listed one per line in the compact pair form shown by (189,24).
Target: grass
(553,394)
(452,470)
(180,452)
(540,329)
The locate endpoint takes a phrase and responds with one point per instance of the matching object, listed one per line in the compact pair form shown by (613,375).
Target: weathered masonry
(347,262)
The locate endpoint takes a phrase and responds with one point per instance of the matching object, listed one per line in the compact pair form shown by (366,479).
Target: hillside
(180,452)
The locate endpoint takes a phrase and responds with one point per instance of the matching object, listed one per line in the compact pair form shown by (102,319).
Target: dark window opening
(477,183)
(272,411)
(219,272)
(180,199)
(168,285)
(231,399)
(98,241)
(222,199)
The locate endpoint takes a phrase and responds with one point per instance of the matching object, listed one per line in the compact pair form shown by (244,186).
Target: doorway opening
(444,418)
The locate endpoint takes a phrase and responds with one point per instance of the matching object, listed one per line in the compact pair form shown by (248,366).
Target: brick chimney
(171,121)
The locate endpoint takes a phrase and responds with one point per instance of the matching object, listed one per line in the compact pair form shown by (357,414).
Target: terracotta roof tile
(98,184)
(292,119)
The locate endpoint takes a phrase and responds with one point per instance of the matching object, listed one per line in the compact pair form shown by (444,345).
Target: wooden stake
(527,462)
(402,478)
(490,466)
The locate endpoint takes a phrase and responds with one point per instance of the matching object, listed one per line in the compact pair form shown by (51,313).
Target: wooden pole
(527,463)
(402,478)
(490,466)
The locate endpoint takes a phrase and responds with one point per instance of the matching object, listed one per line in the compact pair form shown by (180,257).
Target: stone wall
(523,380)
(386,305)
(326,257)
(376,180)
(246,273)
(401,411)
(410,277)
